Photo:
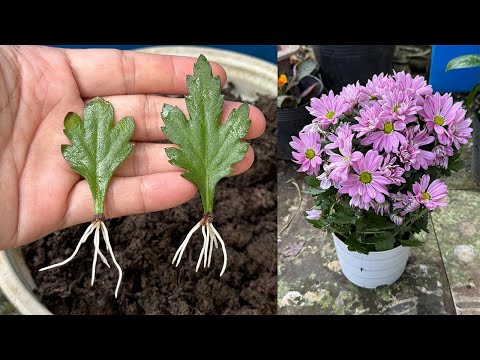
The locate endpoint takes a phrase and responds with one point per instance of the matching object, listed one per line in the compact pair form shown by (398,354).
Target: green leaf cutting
(207,148)
(98,148)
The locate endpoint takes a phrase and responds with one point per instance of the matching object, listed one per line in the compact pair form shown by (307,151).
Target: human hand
(39,192)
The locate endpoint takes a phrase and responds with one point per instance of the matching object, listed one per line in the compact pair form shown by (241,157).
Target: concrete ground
(442,276)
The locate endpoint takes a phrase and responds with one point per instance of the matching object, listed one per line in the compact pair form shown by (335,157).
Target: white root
(96,226)
(109,248)
(210,237)
(207,242)
(96,242)
(181,249)
(203,252)
(223,248)
(82,240)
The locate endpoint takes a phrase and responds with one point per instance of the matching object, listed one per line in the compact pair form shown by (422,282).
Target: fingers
(102,72)
(147,109)
(130,195)
(150,158)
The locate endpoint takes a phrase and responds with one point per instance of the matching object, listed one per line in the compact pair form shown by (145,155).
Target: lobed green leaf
(98,148)
(207,149)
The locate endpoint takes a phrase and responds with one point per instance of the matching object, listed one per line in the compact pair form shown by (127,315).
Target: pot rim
(236,65)
(16,283)
(258,77)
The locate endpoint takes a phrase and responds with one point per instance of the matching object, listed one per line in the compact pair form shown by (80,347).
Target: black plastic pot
(476,146)
(291,121)
(341,65)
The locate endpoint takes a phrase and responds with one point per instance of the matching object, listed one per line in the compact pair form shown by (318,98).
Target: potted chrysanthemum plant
(374,156)
(294,92)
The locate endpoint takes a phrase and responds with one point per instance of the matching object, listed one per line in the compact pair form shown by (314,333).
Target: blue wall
(265,52)
(462,80)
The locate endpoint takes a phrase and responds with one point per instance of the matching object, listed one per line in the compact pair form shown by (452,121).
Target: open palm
(39,193)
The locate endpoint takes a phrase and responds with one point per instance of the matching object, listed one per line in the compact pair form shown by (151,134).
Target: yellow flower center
(426,196)
(438,120)
(366,177)
(310,154)
(330,114)
(373,98)
(395,108)
(387,128)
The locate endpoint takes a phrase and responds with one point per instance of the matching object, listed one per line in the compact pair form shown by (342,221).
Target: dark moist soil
(144,245)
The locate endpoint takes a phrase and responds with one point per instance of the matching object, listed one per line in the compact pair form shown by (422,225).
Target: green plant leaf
(372,223)
(208,149)
(471,96)
(411,242)
(287,101)
(354,244)
(312,181)
(376,237)
(305,68)
(313,191)
(422,222)
(455,163)
(463,62)
(98,147)
(341,217)
(385,244)
(325,199)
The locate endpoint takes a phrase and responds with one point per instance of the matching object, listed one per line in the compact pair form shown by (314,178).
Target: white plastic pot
(375,269)
(251,77)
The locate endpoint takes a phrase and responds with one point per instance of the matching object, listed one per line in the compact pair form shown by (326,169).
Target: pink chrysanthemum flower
(368,183)
(416,138)
(339,166)
(405,202)
(430,195)
(309,152)
(398,220)
(313,214)
(417,85)
(312,127)
(327,109)
(342,133)
(352,95)
(407,154)
(438,113)
(325,181)
(388,135)
(368,119)
(441,153)
(391,171)
(357,201)
(399,105)
(460,130)
(375,88)
(381,208)
(424,159)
